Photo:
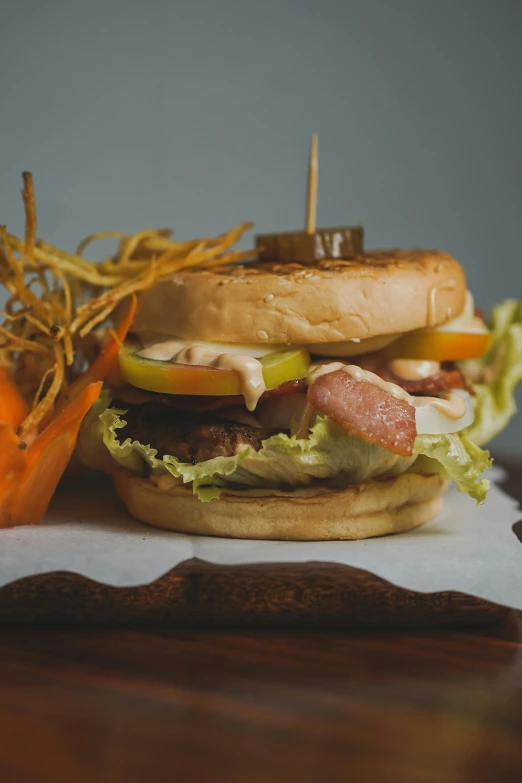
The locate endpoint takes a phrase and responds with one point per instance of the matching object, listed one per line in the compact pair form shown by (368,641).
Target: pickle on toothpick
(302,247)
(312,244)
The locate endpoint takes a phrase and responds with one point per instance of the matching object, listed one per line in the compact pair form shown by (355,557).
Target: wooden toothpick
(311,196)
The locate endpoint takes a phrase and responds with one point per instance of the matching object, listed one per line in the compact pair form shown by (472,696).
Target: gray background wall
(198,114)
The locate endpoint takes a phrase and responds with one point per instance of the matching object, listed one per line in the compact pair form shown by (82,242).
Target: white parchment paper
(467,548)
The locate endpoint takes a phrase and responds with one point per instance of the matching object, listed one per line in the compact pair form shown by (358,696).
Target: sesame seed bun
(318,513)
(377,293)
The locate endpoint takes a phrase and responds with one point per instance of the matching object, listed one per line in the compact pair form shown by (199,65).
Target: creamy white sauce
(467,321)
(358,374)
(250,372)
(249,369)
(163,350)
(452,406)
(413,369)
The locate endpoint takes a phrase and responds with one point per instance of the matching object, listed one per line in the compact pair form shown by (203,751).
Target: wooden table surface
(249,706)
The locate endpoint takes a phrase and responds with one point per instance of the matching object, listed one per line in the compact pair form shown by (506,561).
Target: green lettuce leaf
(496,377)
(457,457)
(330,453)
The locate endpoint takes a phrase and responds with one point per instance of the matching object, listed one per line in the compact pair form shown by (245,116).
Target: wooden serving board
(313,594)
(199,593)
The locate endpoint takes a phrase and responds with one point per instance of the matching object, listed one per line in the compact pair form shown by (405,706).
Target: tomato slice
(169,378)
(440,346)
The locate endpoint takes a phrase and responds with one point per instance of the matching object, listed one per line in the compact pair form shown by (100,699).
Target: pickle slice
(300,247)
(285,366)
(168,378)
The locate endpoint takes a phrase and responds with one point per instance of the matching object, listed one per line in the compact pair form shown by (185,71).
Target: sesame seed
(262,335)
(269,297)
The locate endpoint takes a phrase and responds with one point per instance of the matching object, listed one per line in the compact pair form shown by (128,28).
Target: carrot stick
(12,464)
(46,459)
(30,473)
(13,408)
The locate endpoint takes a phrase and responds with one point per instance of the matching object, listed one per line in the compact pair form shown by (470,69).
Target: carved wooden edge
(314,594)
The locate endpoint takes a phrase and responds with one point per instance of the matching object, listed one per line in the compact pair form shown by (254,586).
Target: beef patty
(189,438)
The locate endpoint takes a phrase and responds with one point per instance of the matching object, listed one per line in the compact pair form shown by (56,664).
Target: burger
(309,398)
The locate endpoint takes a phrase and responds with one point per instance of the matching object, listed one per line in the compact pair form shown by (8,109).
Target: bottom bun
(318,513)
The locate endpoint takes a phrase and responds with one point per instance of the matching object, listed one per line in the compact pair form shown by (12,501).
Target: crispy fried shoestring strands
(56,298)
(45,404)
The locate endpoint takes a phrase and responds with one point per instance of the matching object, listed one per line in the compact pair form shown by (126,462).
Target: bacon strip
(366,411)
(447,378)
(202,403)
(440,383)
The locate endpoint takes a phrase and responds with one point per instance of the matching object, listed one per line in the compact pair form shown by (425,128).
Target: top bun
(376,293)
